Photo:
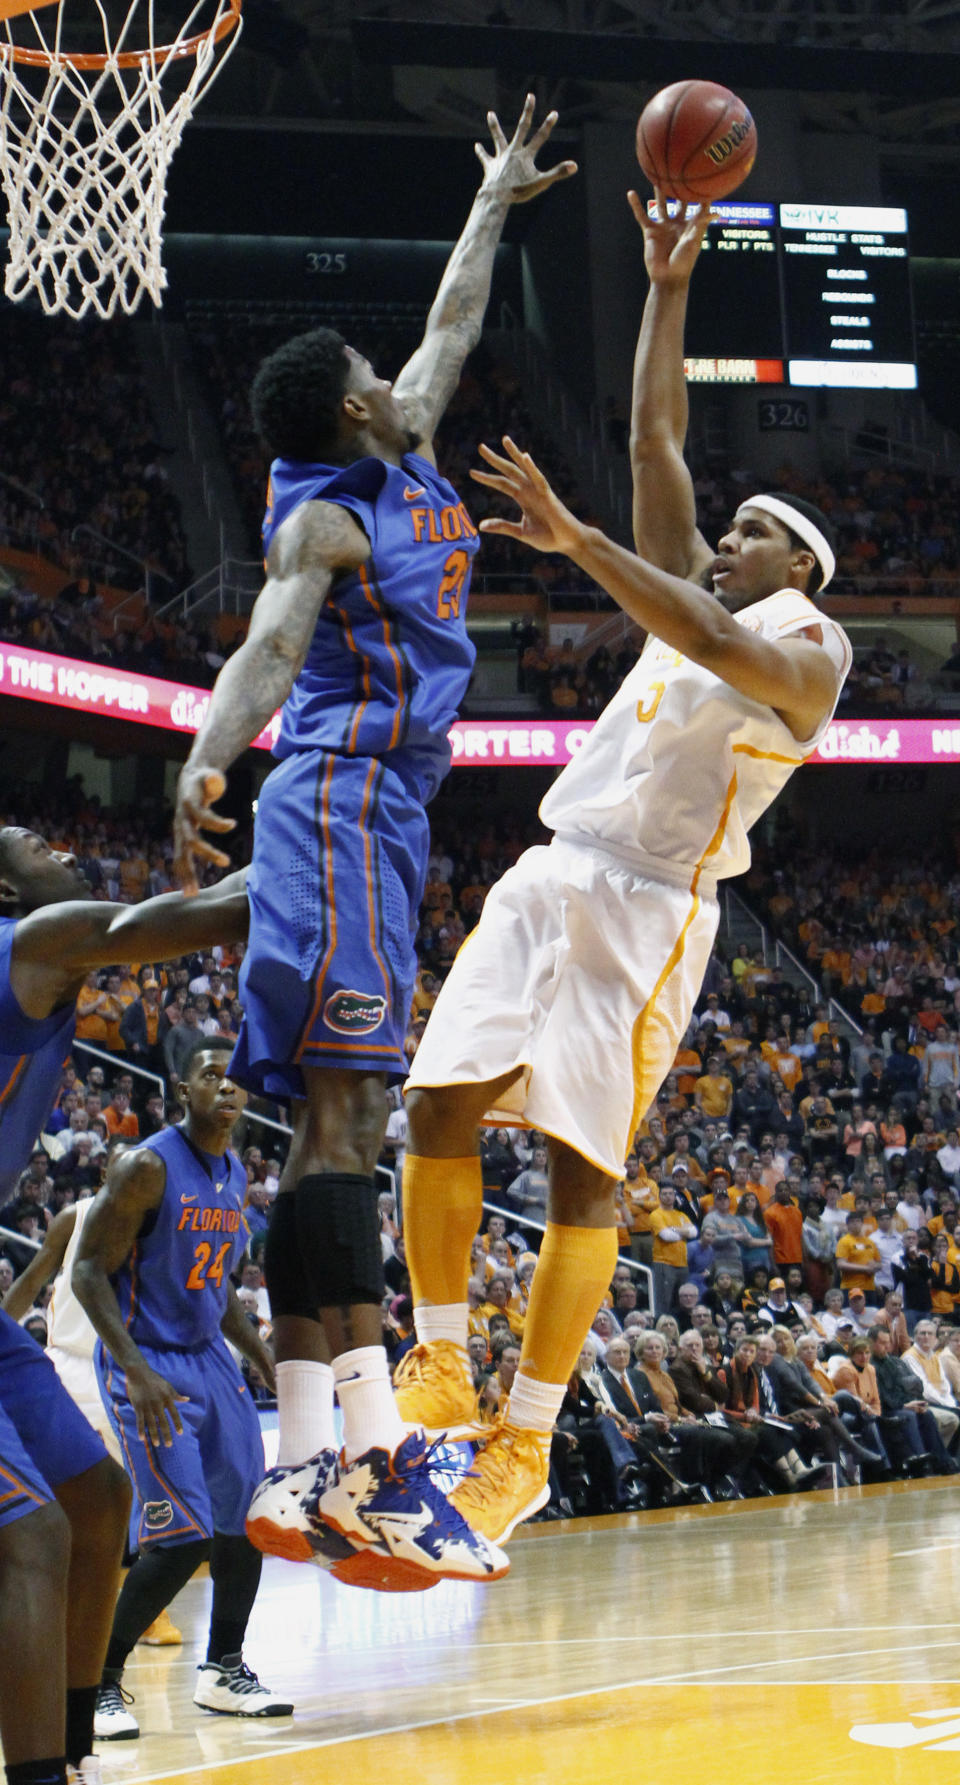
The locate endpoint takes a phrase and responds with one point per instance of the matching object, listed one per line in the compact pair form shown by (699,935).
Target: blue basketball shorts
(205,1480)
(44,1438)
(339,864)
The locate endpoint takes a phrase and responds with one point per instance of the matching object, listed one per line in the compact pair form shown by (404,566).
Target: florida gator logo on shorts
(354,1013)
(157,1514)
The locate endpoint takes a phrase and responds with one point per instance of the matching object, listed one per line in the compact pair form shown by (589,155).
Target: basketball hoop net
(86,142)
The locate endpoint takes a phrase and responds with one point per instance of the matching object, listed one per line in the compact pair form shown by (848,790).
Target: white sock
(442,1320)
(365,1392)
(304,1409)
(534,1405)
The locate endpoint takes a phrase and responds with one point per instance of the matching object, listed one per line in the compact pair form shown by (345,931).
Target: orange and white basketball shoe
(433,1389)
(507,1483)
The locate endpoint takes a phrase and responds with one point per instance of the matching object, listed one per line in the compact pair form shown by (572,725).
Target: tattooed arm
(510,177)
(317,540)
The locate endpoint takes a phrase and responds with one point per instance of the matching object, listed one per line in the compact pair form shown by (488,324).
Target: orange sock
(442,1210)
(572,1275)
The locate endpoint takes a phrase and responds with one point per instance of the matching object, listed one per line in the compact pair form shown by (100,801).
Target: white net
(85,151)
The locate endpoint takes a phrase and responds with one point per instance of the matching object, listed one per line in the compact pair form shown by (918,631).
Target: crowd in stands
(897,527)
(786,1309)
(880,934)
(488,404)
(79,435)
(76,623)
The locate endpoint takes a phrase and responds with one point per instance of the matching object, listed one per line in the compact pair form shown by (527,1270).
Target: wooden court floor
(813,1639)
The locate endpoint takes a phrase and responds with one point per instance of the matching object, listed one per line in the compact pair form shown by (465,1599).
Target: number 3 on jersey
(451,585)
(646,708)
(200,1276)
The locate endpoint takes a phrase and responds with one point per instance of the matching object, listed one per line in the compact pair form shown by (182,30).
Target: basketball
(696,140)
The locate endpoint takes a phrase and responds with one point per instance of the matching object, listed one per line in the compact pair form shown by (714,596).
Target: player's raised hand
(197,790)
(545,524)
(670,244)
(511,171)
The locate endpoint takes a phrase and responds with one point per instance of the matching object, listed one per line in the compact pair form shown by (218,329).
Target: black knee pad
(338,1233)
(288,1285)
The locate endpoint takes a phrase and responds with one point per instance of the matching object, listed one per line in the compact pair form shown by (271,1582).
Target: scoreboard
(802,294)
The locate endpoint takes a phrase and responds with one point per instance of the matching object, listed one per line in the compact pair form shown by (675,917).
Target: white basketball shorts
(79,1377)
(584,973)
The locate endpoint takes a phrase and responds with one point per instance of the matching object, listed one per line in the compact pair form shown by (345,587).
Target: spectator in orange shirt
(120,1118)
(671,1230)
(682,1155)
(112,1009)
(944,1281)
(91,1025)
(785,1063)
(785,1226)
(858,1258)
(713,1091)
(688,1067)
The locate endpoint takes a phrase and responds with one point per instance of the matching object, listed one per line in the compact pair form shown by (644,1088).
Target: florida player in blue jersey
(152,1273)
(63,1502)
(361,631)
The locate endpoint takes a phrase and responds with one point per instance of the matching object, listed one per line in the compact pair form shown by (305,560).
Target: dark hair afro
(296,395)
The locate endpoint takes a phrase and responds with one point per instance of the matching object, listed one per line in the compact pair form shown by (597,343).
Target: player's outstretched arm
(134,1188)
(796,677)
(58,943)
(42,1268)
(665,527)
(305,553)
(510,177)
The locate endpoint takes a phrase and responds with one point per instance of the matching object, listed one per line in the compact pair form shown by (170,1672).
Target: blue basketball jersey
(172,1290)
(390,660)
(32,1053)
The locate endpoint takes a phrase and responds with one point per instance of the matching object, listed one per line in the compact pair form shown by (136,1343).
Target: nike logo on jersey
(411,495)
(192,1198)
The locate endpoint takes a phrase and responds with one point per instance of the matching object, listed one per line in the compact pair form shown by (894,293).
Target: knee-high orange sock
(573,1272)
(442,1210)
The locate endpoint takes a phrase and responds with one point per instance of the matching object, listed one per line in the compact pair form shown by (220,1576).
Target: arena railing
(738,917)
(782,953)
(10,1233)
(119,1063)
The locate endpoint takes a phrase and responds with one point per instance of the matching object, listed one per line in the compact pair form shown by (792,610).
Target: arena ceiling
(887,68)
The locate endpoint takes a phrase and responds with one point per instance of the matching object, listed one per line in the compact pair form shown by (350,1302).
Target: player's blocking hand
(670,244)
(545,523)
(197,790)
(511,171)
(156,1404)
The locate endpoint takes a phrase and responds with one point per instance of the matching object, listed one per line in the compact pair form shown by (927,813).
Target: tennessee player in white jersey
(71,1339)
(566,1005)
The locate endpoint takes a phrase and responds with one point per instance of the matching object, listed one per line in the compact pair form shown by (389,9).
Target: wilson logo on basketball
(354,1013)
(725,145)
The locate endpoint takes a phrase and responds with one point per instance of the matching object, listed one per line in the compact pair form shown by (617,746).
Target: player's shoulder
(139,1169)
(788,613)
(320,533)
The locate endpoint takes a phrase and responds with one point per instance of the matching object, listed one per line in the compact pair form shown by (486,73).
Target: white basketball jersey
(67,1325)
(680,765)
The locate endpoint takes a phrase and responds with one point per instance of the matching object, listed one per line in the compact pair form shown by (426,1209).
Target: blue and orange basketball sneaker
(405,1533)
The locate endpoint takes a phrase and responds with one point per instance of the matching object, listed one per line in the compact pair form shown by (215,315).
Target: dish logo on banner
(481,743)
(862,743)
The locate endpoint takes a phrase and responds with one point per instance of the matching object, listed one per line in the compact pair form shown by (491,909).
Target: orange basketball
(696,140)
